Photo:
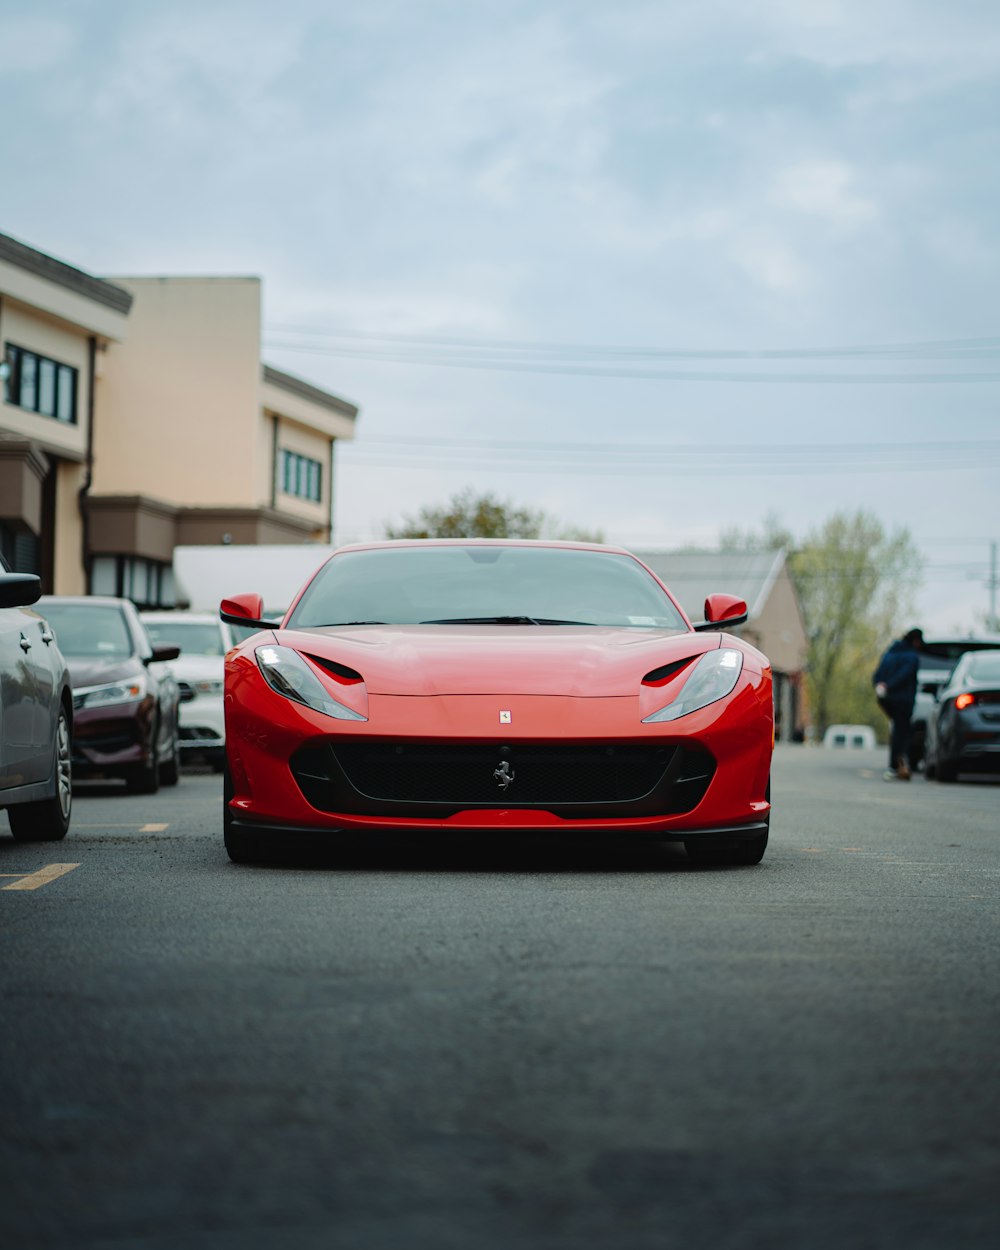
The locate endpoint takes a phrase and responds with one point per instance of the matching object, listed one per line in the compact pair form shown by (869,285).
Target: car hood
(590,661)
(90,671)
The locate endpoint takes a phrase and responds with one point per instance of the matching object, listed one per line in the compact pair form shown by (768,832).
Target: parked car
(204,640)
(494,688)
(963,733)
(938,657)
(125,698)
(36,716)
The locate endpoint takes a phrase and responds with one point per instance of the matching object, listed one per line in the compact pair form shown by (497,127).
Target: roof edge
(59,272)
(305,390)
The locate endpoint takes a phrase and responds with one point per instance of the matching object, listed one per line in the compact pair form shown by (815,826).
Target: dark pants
(899,738)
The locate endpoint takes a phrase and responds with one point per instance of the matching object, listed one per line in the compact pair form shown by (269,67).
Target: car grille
(191,733)
(188,693)
(433,779)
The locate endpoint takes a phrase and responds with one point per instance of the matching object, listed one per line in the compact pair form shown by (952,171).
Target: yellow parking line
(152,828)
(42,877)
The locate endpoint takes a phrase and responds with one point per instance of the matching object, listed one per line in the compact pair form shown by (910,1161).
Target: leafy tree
(772,536)
(468,515)
(855,584)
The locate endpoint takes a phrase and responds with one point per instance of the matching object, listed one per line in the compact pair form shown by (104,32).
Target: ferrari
(493,686)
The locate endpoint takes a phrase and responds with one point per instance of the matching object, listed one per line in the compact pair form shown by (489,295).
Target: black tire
(218,761)
(170,770)
(243,846)
(47,820)
(947,771)
(144,778)
(930,768)
(745,852)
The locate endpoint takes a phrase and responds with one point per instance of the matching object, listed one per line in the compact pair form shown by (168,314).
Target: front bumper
(267,736)
(108,741)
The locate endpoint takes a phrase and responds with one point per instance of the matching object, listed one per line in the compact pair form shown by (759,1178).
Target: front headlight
(113,692)
(288,674)
(208,687)
(712,678)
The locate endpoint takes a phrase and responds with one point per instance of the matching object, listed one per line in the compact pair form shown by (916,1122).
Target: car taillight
(964,701)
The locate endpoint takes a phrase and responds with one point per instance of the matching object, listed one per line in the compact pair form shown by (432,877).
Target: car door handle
(48,637)
(25,643)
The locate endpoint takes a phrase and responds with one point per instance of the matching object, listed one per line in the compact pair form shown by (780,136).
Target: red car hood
(590,661)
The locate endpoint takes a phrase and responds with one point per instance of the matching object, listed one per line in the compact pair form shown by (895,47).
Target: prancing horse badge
(505,718)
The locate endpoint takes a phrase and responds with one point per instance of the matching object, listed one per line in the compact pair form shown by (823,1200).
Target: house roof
(693,575)
(57,271)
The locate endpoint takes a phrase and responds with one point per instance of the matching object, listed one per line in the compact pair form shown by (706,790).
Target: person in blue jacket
(895,682)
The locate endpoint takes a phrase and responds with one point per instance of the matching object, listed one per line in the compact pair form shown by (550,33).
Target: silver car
(36,716)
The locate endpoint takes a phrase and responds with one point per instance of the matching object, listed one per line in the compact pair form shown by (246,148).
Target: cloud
(33,44)
(822,188)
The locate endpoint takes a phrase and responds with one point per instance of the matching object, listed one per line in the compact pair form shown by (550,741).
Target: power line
(608,360)
(571,369)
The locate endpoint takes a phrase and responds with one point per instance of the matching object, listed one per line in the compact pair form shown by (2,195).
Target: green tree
(468,515)
(855,584)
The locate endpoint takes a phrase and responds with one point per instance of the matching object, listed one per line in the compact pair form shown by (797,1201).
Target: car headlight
(288,674)
(712,678)
(208,687)
(113,692)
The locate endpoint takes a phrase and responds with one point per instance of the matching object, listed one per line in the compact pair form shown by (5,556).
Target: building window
(301,476)
(147,583)
(40,385)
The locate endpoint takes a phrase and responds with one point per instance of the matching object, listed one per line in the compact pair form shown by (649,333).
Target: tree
(855,584)
(468,515)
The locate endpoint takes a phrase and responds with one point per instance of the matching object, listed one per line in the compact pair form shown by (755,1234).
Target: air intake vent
(660,676)
(339,672)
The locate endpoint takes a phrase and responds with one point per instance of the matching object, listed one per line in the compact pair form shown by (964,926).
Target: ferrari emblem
(505,718)
(503,774)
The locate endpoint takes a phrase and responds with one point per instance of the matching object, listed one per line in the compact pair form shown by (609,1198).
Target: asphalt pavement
(560,1047)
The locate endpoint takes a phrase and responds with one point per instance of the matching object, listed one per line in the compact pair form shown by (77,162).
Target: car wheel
(170,772)
(947,770)
(145,778)
(48,819)
(746,851)
(243,846)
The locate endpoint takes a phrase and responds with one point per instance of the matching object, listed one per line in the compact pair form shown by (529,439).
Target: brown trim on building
(295,386)
(244,527)
(57,271)
(135,525)
(131,525)
(23,470)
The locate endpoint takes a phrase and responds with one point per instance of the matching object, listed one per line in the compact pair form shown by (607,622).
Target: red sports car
(475,686)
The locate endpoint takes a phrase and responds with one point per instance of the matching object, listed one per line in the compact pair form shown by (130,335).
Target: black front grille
(432,779)
(187,692)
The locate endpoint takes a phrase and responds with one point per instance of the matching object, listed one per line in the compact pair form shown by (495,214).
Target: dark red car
(125,699)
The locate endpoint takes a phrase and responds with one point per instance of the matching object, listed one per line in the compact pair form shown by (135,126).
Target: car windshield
(945,653)
(193,637)
(89,629)
(984,667)
(484,585)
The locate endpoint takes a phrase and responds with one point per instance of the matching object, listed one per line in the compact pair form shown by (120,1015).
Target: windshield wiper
(334,624)
(501,620)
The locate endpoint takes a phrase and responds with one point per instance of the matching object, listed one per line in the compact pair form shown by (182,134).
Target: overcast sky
(507,231)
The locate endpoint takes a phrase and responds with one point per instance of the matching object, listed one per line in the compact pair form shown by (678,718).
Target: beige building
(56,323)
(178,434)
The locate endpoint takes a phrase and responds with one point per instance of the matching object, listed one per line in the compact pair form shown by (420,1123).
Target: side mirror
(723,610)
(163,651)
(246,610)
(19,590)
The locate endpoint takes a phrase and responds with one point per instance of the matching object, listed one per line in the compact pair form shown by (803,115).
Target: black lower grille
(579,779)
